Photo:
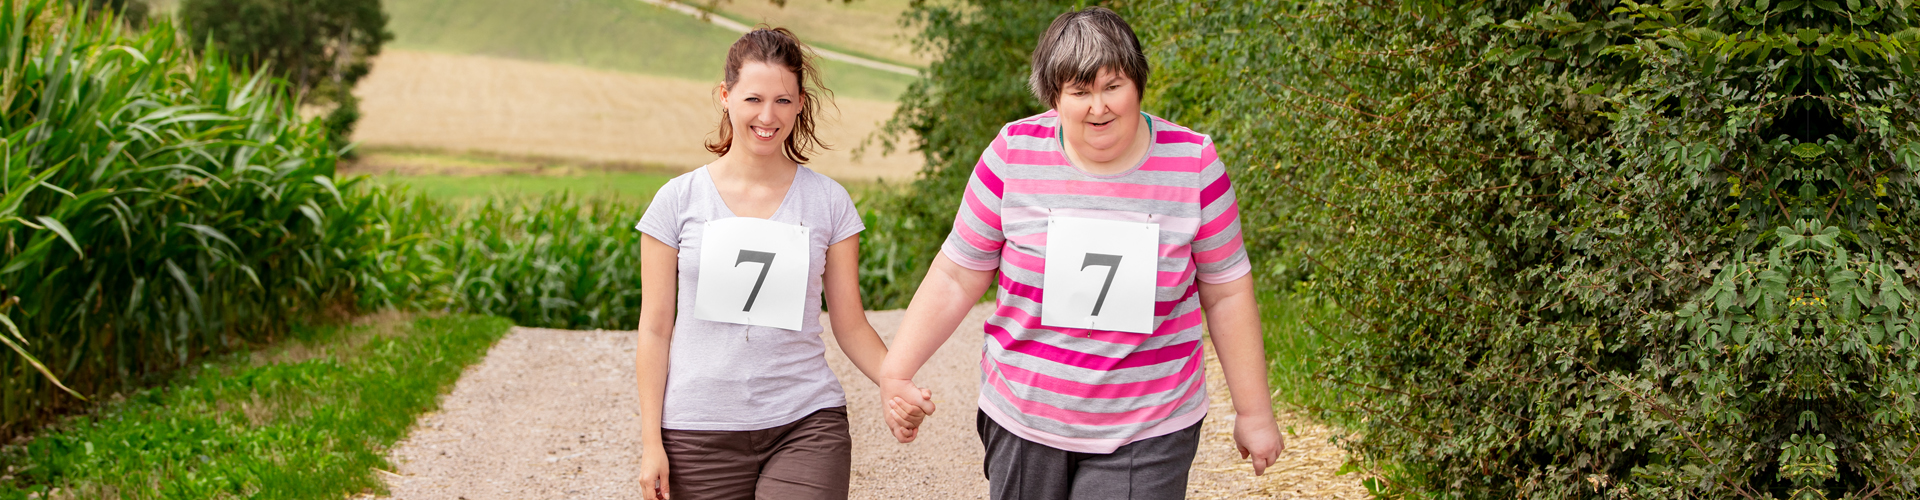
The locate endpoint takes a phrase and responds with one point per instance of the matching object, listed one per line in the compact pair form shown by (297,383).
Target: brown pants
(808,459)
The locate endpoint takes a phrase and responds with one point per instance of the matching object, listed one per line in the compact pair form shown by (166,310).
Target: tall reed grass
(155,206)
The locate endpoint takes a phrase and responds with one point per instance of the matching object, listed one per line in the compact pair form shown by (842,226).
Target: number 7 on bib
(1100,274)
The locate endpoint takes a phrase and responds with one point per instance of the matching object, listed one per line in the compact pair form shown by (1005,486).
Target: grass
(1298,331)
(616,35)
(309,418)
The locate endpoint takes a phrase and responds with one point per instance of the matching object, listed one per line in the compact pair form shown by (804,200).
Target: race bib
(752,272)
(1100,274)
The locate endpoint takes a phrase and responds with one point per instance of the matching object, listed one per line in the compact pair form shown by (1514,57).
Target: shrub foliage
(155,206)
(1595,249)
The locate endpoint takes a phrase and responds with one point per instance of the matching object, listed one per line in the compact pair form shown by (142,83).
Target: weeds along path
(551,414)
(461,103)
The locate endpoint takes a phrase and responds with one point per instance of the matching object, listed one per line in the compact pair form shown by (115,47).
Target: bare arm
(847,312)
(937,308)
(659,283)
(1233,318)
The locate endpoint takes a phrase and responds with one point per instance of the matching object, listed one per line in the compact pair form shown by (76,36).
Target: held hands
(905,406)
(1258,437)
(653,473)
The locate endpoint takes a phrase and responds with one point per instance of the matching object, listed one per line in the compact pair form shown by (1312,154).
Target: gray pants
(1151,469)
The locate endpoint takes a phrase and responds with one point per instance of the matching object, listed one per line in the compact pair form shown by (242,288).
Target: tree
(977,84)
(133,12)
(321,47)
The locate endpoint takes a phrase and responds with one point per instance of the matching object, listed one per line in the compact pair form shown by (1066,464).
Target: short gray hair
(1078,45)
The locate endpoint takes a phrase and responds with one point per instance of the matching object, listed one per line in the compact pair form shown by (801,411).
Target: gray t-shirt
(732,377)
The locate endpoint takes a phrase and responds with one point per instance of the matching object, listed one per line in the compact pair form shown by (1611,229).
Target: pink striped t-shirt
(1093,391)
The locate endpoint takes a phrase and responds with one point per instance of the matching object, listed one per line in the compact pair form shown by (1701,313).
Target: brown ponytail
(780,48)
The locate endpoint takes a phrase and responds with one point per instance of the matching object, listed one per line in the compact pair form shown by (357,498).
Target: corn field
(155,206)
(555,261)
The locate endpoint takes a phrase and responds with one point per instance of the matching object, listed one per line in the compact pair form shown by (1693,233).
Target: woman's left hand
(1258,437)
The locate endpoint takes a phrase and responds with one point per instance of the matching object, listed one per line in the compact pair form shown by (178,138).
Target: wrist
(1254,416)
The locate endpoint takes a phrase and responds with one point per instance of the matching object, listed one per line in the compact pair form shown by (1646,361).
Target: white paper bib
(752,272)
(1100,274)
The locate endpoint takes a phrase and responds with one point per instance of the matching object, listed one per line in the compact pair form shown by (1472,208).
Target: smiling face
(1101,119)
(763,107)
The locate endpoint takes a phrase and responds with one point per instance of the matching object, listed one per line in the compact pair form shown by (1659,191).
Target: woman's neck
(738,164)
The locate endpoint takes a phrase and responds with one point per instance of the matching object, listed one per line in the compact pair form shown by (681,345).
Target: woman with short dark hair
(1115,235)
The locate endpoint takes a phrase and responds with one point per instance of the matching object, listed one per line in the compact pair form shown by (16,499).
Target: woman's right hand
(653,473)
(919,404)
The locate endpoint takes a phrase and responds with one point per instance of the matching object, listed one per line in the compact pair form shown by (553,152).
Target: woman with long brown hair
(736,399)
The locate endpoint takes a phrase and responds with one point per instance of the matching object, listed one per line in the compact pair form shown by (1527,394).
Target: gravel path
(551,414)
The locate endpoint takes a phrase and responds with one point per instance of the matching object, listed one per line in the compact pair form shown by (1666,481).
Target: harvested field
(460,103)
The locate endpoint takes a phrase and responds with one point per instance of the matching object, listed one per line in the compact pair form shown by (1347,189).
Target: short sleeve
(977,238)
(1218,250)
(663,218)
(846,216)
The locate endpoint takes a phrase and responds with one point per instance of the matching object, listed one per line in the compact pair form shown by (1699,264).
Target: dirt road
(551,414)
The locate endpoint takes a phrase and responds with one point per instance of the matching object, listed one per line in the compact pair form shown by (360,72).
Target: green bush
(155,206)
(1600,249)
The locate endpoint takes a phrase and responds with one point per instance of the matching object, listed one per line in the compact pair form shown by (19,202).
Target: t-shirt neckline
(784,197)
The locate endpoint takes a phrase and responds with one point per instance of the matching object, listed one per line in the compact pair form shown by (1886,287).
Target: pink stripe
(1177,136)
(1207,157)
(1218,254)
(1165,307)
(1111,189)
(1031,322)
(1215,191)
(1176,324)
(1176,252)
(1071,357)
(1172,164)
(1072,417)
(963,260)
(1171,279)
(1019,289)
(1019,259)
(988,179)
(1036,240)
(981,211)
(1219,223)
(1245,267)
(1094,391)
(978,241)
(1168,223)
(1030,130)
(1080,445)
(1168,326)
(1036,264)
(1034,157)
(1089,445)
